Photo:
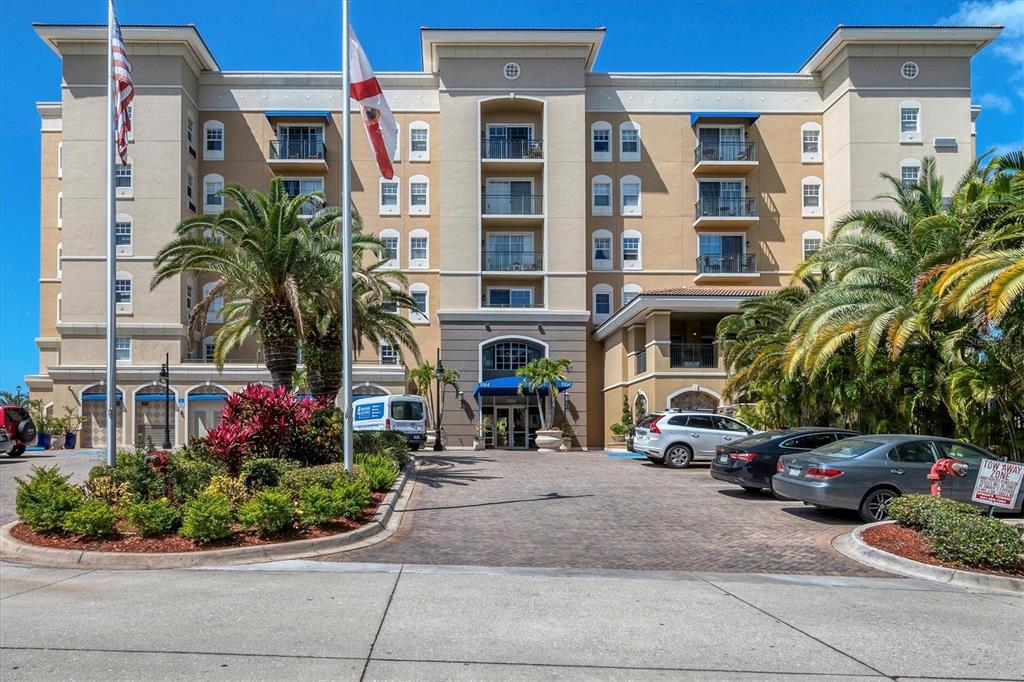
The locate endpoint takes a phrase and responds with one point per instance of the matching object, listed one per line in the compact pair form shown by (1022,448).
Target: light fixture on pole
(165,379)
(439,378)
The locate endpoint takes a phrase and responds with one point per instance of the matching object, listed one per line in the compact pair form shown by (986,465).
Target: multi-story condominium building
(538,207)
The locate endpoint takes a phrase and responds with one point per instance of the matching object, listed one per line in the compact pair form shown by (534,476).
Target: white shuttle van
(402,413)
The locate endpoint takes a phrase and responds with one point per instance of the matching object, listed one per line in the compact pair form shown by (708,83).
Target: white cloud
(1008,147)
(1007,13)
(990,100)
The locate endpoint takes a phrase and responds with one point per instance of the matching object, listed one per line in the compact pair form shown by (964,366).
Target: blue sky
(643,35)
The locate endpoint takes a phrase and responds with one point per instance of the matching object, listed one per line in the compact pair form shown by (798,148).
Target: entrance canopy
(510,386)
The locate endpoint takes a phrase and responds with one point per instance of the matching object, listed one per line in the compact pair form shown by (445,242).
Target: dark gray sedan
(865,473)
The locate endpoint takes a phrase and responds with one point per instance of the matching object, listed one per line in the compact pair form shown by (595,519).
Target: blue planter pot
(43,440)
(70,440)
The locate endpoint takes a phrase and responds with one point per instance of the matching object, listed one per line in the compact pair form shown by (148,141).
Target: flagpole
(111,250)
(346,238)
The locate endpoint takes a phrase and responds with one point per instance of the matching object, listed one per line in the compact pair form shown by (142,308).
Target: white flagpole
(346,238)
(111,250)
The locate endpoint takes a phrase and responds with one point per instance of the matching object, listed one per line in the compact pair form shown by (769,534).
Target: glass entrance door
(512,427)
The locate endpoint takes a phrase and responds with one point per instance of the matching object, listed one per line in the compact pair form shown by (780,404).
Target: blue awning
(696,116)
(325,115)
(100,396)
(509,386)
(153,397)
(207,396)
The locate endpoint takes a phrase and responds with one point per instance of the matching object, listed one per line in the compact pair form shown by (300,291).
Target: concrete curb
(853,546)
(14,550)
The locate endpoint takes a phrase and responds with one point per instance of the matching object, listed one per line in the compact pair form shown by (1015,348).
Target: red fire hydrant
(947,466)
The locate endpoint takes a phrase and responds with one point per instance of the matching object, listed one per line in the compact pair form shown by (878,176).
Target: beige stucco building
(539,207)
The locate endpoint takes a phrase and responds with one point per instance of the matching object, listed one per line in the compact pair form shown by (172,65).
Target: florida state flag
(380,124)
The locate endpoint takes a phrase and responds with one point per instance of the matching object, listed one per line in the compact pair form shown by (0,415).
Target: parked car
(865,473)
(6,444)
(750,462)
(402,413)
(679,438)
(20,428)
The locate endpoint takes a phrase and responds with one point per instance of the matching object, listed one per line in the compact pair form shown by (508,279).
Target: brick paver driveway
(589,510)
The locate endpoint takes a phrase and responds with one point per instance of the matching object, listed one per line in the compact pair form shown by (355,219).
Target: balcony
(727,267)
(693,356)
(512,209)
(527,262)
(725,212)
(297,154)
(508,155)
(640,360)
(725,157)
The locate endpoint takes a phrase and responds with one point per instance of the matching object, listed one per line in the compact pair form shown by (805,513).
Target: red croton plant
(260,422)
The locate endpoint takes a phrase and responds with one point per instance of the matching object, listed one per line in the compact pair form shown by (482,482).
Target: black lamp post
(438,376)
(165,379)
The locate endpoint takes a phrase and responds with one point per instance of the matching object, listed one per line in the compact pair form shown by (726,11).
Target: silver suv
(678,438)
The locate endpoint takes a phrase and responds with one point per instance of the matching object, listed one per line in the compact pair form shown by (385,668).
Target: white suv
(678,438)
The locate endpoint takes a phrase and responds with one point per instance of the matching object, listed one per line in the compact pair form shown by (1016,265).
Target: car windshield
(847,448)
(407,410)
(762,438)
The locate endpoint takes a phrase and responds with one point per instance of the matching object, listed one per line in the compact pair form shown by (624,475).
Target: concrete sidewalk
(315,620)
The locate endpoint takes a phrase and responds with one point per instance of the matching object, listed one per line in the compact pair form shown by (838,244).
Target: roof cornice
(431,38)
(187,34)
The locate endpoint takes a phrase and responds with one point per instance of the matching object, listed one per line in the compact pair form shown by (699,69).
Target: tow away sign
(998,483)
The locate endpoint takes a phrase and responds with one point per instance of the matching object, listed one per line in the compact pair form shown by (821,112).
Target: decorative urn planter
(549,440)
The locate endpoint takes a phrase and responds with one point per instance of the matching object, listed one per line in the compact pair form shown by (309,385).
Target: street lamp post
(438,376)
(165,379)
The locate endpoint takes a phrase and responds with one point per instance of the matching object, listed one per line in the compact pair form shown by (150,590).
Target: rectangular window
(389,254)
(630,249)
(908,174)
(213,202)
(602,141)
(812,139)
(389,197)
(215,140)
(123,349)
(811,246)
(603,303)
(602,248)
(418,194)
(630,142)
(293,187)
(189,293)
(208,350)
(630,197)
(418,140)
(602,195)
(909,120)
(812,196)
(418,248)
(388,355)
(123,233)
(421,306)
(510,298)
(189,181)
(190,131)
(123,176)
(122,290)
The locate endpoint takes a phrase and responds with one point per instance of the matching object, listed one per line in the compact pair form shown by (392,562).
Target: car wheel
(18,451)
(414,447)
(873,507)
(751,489)
(678,456)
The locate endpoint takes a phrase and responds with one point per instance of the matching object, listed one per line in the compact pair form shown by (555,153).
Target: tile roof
(707,291)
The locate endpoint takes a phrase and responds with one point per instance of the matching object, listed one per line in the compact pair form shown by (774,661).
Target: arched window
(811,197)
(629,292)
(390,257)
(419,141)
(397,156)
(123,234)
(215,306)
(812,240)
(629,193)
(419,250)
(503,358)
(601,141)
(629,141)
(209,346)
(910,171)
(60,259)
(124,180)
(602,250)
(421,294)
(632,250)
(810,143)
(910,121)
(213,202)
(190,183)
(389,202)
(419,195)
(60,159)
(213,141)
(639,407)
(60,301)
(602,303)
(123,291)
(601,195)
(60,209)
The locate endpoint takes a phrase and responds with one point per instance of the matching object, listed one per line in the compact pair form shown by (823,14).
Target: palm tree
(424,379)
(543,374)
(15,397)
(256,254)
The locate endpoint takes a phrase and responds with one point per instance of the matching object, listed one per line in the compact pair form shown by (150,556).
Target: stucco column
(658,346)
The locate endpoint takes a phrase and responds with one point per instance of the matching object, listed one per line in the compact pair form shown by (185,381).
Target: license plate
(794,472)
(723,458)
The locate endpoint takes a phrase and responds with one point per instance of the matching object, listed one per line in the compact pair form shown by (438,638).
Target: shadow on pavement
(550,497)
(831,517)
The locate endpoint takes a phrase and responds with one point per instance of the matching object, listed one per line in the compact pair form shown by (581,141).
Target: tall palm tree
(255,252)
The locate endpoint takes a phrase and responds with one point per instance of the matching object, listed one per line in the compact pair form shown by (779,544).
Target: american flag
(123,90)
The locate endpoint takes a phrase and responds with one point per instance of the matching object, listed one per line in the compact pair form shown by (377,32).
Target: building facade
(538,208)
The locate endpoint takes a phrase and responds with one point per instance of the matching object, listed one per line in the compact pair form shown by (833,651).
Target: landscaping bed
(914,545)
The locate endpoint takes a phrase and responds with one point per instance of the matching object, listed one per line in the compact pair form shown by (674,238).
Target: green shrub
(229,487)
(265,472)
(916,511)
(268,512)
(157,517)
(46,498)
(390,443)
(190,473)
(323,475)
(106,489)
(355,496)
(975,540)
(130,468)
(206,518)
(92,518)
(318,440)
(379,471)
(320,505)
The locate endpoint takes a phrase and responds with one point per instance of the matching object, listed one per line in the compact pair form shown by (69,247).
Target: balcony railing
(693,355)
(641,362)
(513,261)
(512,204)
(725,151)
(729,264)
(298,149)
(726,207)
(490,304)
(512,149)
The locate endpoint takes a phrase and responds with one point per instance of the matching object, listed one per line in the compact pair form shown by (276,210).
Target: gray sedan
(865,473)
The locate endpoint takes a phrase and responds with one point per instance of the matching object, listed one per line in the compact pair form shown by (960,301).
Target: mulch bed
(129,541)
(911,544)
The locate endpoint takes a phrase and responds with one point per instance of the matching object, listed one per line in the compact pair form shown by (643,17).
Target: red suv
(19,427)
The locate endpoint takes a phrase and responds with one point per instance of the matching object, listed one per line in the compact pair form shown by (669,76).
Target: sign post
(998,484)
